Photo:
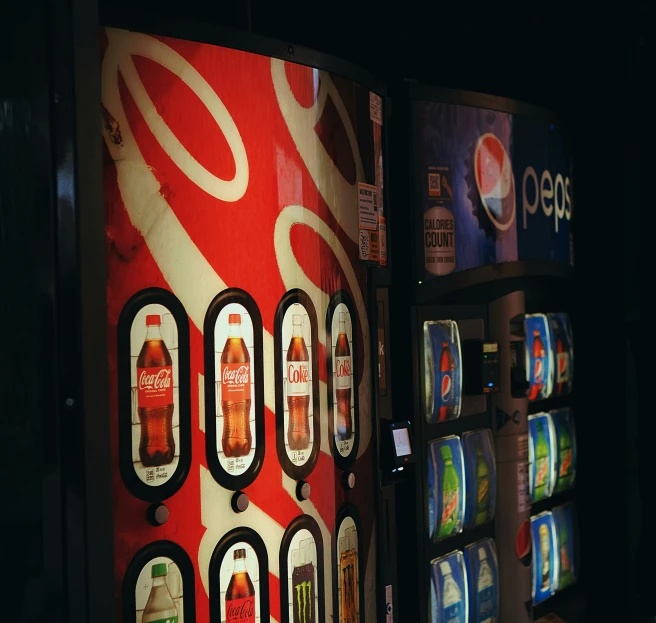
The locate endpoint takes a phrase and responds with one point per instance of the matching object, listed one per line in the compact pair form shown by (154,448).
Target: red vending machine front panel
(241,194)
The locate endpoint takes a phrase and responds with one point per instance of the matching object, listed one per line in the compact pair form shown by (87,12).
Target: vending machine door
(243,211)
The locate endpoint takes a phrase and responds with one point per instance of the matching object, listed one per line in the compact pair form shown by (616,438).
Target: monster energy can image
(303,596)
(348,572)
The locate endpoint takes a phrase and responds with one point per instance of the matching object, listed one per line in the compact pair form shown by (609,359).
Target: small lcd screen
(402,441)
(490,347)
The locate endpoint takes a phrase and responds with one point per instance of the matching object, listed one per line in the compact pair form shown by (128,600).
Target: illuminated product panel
(243,210)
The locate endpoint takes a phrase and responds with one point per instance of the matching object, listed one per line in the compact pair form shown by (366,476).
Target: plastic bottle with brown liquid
(298,388)
(155,397)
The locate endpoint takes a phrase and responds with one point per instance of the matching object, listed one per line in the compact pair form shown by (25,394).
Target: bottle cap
(445,568)
(153,319)
(481,554)
(158,570)
(240,553)
(234,319)
(446,452)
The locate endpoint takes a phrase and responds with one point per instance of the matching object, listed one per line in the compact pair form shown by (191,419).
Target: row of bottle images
(159,582)
(552,453)
(554,542)
(465,585)
(461,483)
(548,353)
(154,387)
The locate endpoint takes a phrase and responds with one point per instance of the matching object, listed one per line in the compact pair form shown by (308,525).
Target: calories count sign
(439,241)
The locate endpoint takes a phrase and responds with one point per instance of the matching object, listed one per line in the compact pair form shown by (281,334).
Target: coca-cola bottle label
(235,381)
(298,378)
(343,372)
(155,387)
(240,610)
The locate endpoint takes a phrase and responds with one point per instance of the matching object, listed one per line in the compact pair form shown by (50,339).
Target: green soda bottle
(450,494)
(482,487)
(541,463)
(564,459)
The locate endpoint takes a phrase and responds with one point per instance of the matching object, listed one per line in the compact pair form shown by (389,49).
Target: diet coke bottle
(343,382)
(240,596)
(298,389)
(155,397)
(236,392)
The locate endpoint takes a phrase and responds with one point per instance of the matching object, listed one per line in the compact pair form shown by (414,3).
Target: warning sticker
(376,108)
(382,230)
(368,206)
(523,502)
(522,446)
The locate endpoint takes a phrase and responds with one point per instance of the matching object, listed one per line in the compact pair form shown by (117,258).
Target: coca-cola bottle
(447,383)
(298,388)
(160,606)
(155,397)
(235,392)
(343,382)
(240,596)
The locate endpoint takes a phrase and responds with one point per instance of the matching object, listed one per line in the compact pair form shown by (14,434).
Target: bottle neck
(234,331)
(297,330)
(240,566)
(159,581)
(153,332)
(342,326)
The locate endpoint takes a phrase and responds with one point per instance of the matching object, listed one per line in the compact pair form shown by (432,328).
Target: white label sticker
(368,206)
(376,108)
(522,446)
(523,502)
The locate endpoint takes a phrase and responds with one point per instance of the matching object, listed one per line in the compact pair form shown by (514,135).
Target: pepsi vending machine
(246,284)
(492,357)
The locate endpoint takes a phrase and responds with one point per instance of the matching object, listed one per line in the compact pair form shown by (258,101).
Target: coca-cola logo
(298,375)
(242,610)
(236,376)
(343,368)
(446,387)
(160,380)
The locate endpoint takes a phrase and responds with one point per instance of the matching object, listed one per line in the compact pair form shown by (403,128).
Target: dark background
(588,64)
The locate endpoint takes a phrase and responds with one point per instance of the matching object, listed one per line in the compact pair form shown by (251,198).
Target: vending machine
(489,512)
(246,311)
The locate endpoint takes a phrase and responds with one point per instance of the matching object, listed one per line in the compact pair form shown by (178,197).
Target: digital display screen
(490,347)
(402,441)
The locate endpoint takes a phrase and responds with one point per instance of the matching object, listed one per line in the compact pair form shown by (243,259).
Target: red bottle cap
(153,319)
(234,319)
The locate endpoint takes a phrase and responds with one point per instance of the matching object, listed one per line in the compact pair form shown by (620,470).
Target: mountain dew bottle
(564,458)
(450,494)
(482,487)
(541,463)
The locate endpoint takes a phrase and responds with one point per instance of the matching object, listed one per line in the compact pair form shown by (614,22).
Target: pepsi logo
(495,181)
(539,367)
(446,387)
(562,364)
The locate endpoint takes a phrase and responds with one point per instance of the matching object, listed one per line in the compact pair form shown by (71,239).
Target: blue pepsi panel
(481,476)
(446,462)
(562,353)
(564,523)
(541,456)
(449,594)
(539,358)
(442,370)
(483,581)
(565,449)
(543,170)
(545,560)
(496,188)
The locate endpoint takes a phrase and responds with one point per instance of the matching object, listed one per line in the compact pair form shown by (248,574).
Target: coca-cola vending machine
(246,285)
(492,358)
